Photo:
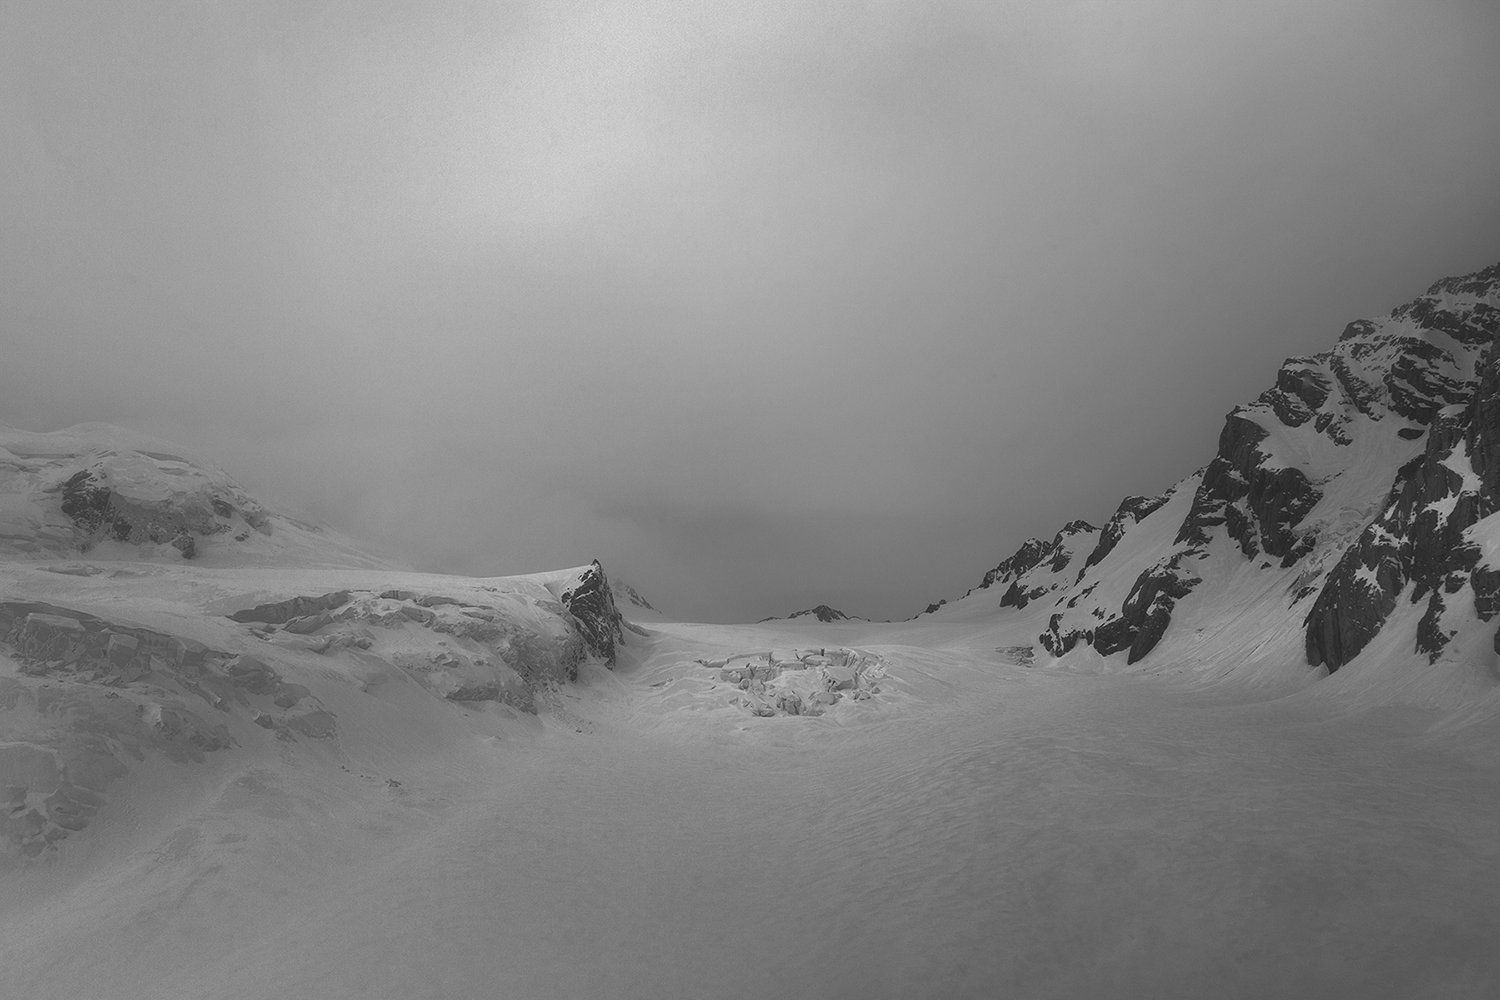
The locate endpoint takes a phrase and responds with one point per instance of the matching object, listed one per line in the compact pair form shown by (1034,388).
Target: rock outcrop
(591,602)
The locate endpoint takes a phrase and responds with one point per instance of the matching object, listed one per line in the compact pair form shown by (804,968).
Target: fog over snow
(762,305)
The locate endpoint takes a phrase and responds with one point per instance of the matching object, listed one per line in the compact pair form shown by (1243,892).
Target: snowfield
(976,828)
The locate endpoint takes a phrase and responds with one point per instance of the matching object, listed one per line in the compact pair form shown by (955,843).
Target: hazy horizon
(762,308)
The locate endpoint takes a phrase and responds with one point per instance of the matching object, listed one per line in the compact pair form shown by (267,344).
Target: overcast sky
(762,304)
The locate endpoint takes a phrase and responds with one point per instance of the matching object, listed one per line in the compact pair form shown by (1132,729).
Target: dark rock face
(1412,402)
(1148,609)
(592,604)
(1419,539)
(1258,504)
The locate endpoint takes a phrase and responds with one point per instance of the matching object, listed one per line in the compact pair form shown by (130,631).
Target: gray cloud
(761,304)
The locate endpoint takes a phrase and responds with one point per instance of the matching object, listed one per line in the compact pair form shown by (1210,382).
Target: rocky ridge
(1364,478)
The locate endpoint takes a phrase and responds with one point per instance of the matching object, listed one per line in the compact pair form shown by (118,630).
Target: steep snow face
(1359,476)
(103,490)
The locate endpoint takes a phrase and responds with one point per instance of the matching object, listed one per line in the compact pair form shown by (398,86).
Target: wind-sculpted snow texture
(1362,479)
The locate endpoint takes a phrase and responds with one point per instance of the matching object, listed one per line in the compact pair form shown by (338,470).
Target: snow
(1458,461)
(1217,820)
(978,829)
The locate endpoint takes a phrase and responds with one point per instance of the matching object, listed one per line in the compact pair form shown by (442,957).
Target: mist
(761,307)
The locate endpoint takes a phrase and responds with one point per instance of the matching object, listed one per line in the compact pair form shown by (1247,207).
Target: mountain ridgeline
(1355,498)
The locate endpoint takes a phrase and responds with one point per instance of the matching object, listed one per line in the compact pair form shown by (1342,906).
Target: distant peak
(626,594)
(822,613)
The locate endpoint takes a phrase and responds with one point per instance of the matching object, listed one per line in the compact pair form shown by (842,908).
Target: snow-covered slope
(1365,479)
